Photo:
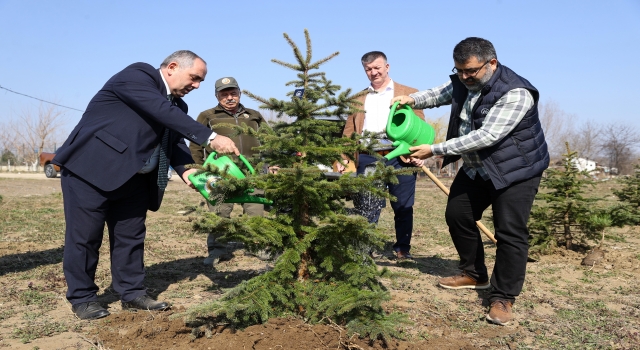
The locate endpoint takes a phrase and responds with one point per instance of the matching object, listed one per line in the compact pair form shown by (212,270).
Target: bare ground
(563,304)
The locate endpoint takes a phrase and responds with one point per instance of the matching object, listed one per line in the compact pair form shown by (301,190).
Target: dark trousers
(404,191)
(511,207)
(86,210)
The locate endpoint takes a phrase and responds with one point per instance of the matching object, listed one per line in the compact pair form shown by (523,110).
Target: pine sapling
(323,270)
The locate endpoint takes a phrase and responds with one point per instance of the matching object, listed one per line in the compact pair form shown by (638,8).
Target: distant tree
(586,140)
(618,143)
(628,212)
(630,193)
(32,132)
(557,125)
(440,126)
(8,139)
(8,156)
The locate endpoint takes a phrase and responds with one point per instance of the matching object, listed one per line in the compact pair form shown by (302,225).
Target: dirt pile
(144,330)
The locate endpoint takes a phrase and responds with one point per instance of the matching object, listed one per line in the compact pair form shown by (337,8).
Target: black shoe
(90,310)
(144,302)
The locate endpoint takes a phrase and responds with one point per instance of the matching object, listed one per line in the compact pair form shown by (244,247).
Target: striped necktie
(163,168)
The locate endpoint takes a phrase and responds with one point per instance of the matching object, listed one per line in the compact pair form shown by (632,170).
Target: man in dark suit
(114,168)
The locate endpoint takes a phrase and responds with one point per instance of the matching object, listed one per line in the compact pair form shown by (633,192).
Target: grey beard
(480,84)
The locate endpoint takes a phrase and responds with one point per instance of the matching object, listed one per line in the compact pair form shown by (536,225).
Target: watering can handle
(246,163)
(243,159)
(391,113)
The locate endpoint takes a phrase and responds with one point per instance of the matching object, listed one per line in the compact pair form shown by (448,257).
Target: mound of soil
(146,330)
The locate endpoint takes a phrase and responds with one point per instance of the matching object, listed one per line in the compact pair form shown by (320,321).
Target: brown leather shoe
(462,281)
(500,312)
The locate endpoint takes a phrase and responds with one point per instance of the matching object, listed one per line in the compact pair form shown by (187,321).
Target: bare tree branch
(440,126)
(556,125)
(618,143)
(586,140)
(33,132)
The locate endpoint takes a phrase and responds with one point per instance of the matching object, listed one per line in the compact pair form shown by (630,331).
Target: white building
(583,164)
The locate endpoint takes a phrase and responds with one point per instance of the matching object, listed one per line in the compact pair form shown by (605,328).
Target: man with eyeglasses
(494,127)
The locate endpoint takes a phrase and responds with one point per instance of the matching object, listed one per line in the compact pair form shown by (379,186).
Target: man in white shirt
(376,105)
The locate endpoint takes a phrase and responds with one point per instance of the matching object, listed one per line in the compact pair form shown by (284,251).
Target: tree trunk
(567,231)
(303,267)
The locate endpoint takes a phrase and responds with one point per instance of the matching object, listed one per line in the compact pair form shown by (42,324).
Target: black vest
(520,155)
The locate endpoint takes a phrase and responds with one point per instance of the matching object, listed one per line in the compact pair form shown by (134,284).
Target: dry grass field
(564,305)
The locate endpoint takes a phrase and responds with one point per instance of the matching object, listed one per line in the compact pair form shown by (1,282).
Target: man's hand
(223,144)
(404,100)
(185,177)
(341,166)
(416,162)
(273,169)
(422,151)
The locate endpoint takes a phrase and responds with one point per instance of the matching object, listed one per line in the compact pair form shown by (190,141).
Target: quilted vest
(520,155)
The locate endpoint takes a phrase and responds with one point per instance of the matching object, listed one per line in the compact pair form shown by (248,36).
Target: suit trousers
(404,191)
(87,209)
(511,207)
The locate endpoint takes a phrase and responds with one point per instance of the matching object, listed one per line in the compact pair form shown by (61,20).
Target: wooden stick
(444,189)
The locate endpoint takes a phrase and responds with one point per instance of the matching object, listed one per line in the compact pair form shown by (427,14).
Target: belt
(383,152)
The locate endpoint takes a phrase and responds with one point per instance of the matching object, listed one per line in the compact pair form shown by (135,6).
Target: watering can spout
(402,148)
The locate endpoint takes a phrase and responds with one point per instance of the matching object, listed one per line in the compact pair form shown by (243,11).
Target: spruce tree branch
(255,97)
(296,52)
(317,64)
(285,64)
(309,52)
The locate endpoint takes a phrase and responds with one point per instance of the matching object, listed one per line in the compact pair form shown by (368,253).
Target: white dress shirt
(376,108)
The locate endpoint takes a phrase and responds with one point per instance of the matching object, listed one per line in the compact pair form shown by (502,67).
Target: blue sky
(577,53)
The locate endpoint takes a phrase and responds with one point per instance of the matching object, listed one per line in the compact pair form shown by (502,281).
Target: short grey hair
(479,48)
(184,58)
(372,56)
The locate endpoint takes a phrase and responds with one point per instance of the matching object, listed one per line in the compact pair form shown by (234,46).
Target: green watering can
(205,181)
(406,130)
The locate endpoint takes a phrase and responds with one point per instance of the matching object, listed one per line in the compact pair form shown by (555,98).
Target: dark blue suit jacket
(122,126)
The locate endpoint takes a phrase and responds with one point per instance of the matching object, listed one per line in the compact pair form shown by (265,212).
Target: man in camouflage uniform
(228,111)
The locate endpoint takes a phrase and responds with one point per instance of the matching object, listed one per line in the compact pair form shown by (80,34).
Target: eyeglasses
(469,72)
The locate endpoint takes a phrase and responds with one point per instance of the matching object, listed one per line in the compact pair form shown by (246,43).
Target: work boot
(500,312)
(217,255)
(218,251)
